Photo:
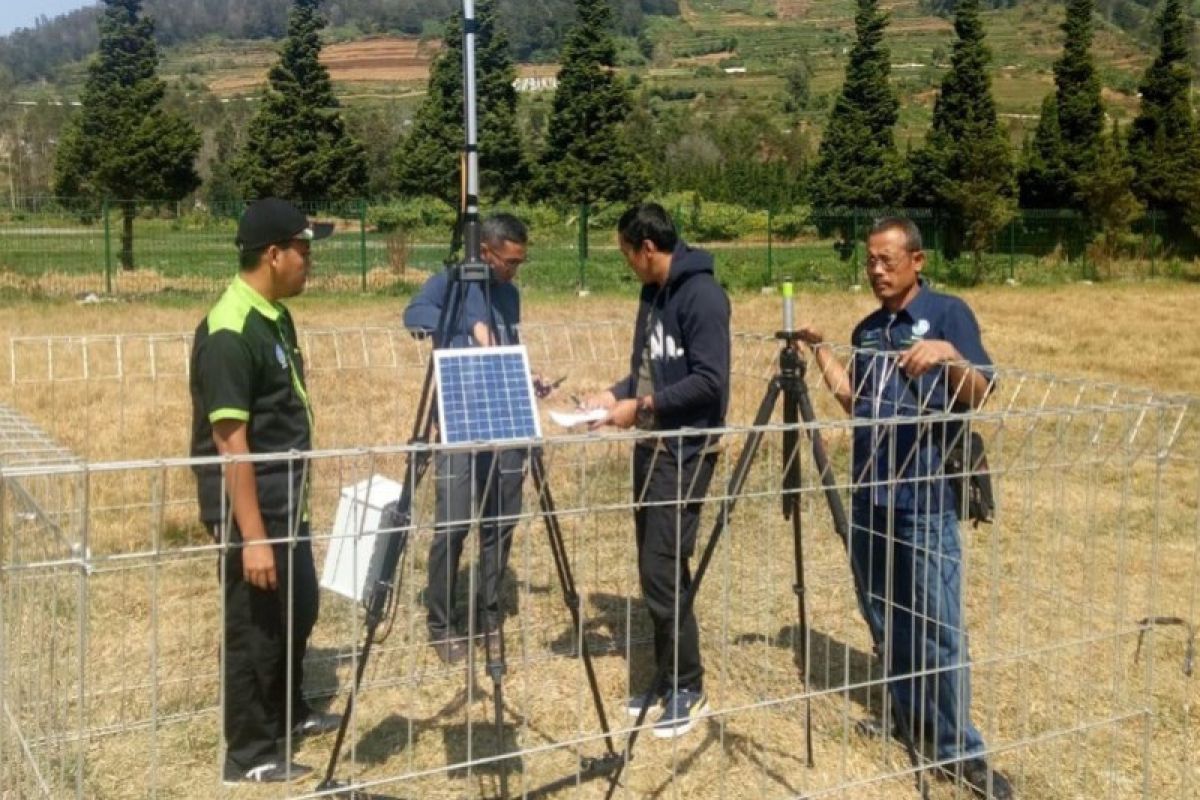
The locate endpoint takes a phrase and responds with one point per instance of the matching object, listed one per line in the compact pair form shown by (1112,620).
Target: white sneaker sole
(654,712)
(674,731)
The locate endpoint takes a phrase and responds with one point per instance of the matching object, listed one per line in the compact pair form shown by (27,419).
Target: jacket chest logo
(663,346)
(281,356)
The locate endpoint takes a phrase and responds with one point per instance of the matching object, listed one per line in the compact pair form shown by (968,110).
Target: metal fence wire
(74,247)
(110,603)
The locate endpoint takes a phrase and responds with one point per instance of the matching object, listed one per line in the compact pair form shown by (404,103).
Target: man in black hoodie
(678,382)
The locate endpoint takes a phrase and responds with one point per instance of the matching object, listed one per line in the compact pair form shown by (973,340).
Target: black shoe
(270,772)
(450,651)
(317,723)
(633,706)
(976,775)
(683,710)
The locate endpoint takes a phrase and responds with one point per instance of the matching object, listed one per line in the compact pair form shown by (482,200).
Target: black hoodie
(687,320)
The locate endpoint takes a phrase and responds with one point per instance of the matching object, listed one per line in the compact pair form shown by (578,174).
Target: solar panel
(485,394)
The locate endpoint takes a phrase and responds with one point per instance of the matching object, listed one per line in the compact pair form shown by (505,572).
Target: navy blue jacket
(687,324)
(422,312)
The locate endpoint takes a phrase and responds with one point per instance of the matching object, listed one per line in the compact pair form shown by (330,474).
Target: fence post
(1012,249)
(853,246)
(362,242)
(770,246)
(584,210)
(1153,239)
(107,248)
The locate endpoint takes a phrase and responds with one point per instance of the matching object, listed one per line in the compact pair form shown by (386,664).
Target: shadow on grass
(832,664)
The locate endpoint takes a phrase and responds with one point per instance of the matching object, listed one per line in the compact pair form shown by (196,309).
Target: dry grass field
(1094,531)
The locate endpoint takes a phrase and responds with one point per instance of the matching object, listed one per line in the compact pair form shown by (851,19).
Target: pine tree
(298,146)
(427,160)
(1044,179)
(221,190)
(1080,111)
(858,165)
(965,166)
(589,155)
(1106,190)
(123,145)
(1164,146)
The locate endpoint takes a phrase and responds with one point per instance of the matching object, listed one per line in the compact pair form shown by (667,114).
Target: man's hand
(925,355)
(607,401)
(483,334)
(810,336)
(258,565)
(622,415)
(544,387)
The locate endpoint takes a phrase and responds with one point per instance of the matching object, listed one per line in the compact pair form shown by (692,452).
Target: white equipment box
(355,556)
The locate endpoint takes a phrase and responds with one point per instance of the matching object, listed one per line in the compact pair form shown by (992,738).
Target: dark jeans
(461,480)
(908,572)
(668,497)
(258,653)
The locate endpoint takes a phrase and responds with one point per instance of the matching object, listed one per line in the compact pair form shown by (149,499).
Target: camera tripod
(396,525)
(396,521)
(789,385)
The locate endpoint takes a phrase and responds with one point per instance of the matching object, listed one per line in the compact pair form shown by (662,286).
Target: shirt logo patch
(921,328)
(281,356)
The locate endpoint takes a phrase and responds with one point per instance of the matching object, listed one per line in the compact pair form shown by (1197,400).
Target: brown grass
(1038,579)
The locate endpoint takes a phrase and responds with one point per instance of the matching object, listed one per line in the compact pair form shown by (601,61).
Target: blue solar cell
(485,395)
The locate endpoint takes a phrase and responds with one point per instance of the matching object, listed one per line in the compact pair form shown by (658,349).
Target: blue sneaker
(634,706)
(683,709)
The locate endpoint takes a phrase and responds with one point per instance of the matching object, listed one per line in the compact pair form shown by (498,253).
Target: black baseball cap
(273,221)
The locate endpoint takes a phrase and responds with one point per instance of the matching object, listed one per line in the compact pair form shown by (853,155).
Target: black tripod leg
(837,511)
(396,529)
(493,634)
(368,641)
(736,481)
(497,667)
(792,485)
(566,580)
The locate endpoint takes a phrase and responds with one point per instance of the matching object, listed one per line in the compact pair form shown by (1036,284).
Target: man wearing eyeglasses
(249,396)
(919,354)
(491,315)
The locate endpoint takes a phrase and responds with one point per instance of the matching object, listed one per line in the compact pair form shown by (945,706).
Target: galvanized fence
(62,247)
(110,604)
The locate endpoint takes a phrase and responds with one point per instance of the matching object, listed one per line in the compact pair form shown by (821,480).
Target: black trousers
(463,480)
(668,496)
(258,653)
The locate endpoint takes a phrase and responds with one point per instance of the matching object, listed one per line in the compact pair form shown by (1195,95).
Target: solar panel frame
(485,395)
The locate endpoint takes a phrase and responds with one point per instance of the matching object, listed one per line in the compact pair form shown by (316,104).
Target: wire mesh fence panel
(63,246)
(111,596)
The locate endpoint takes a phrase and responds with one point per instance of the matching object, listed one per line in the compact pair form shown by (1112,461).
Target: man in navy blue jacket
(493,479)
(678,380)
(919,354)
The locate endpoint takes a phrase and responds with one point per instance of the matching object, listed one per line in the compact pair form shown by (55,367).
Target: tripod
(789,383)
(396,523)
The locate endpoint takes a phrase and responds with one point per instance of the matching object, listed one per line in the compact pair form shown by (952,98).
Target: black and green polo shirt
(246,365)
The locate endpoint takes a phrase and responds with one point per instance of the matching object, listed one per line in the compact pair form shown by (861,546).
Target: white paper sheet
(569,419)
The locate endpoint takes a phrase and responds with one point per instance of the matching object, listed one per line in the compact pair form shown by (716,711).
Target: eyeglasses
(887,263)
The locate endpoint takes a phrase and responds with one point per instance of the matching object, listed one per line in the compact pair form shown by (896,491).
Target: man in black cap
(249,396)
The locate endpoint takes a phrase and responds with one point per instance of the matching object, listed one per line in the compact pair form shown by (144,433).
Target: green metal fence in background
(63,247)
